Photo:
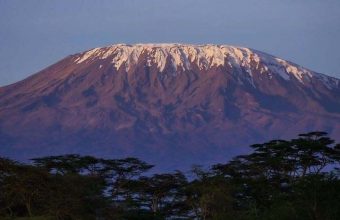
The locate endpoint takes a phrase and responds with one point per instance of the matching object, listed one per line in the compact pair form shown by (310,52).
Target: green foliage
(278,180)
(273,181)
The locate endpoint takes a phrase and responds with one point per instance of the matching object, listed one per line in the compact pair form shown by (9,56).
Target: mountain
(169,104)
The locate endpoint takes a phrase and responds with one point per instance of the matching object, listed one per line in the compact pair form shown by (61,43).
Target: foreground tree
(163,194)
(23,187)
(279,171)
(209,196)
(280,179)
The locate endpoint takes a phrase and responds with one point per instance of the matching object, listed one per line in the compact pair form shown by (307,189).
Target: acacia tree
(279,180)
(120,175)
(275,169)
(209,196)
(313,152)
(74,182)
(70,164)
(162,194)
(22,187)
(7,198)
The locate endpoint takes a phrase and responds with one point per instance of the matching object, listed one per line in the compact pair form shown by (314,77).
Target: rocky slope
(170,104)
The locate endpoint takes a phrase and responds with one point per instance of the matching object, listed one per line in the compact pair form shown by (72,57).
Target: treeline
(295,179)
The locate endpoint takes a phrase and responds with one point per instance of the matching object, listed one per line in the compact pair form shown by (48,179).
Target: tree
(74,182)
(22,187)
(279,179)
(209,196)
(119,172)
(163,194)
(274,172)
(69,163)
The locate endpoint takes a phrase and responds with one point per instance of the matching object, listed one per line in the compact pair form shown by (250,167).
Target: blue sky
(37,33)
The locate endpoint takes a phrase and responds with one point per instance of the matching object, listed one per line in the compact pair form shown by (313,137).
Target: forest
(279,180)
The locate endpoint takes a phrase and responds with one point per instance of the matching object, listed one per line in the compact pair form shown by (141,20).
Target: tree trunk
(28,208)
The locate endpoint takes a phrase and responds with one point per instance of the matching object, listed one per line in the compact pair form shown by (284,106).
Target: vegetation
(295,179)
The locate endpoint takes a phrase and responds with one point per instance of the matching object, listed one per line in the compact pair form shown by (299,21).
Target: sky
(37,33)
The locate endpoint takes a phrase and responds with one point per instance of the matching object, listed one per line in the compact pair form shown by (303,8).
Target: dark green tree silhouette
(279,179)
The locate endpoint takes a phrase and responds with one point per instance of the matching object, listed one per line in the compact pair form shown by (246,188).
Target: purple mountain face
(170,104)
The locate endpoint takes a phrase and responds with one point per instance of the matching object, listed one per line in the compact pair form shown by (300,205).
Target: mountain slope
(170,104)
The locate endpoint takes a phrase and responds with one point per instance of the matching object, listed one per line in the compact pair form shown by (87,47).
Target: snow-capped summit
(185,57)
(170,104)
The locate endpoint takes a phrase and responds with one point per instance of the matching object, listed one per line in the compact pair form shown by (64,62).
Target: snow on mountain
(184,56)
